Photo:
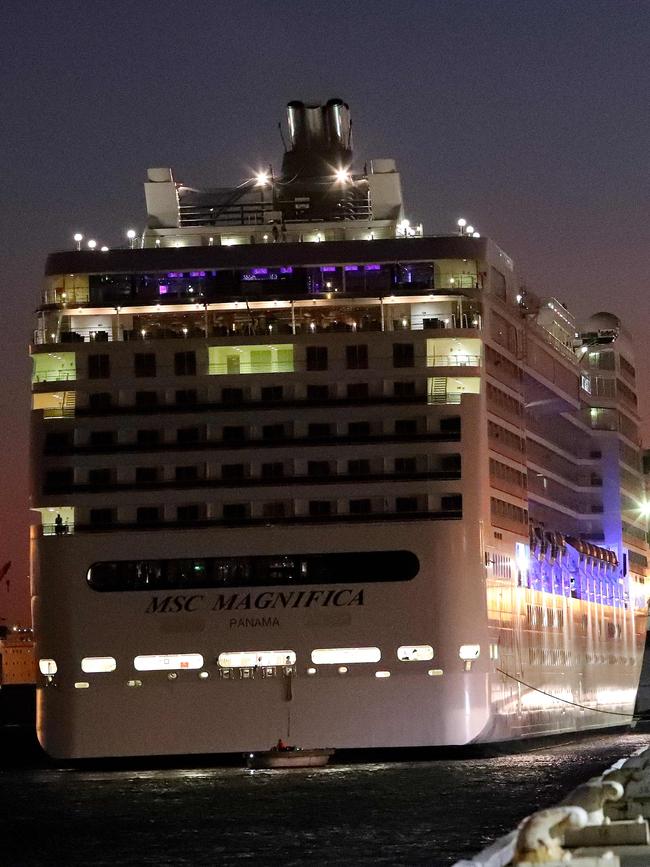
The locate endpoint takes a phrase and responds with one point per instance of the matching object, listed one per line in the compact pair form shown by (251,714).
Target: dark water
(420,813)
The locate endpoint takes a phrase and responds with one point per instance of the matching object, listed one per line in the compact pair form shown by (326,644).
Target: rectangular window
(320,507)
(100,477)
(187,435)
(345,655)
(146,475)
(359,428)
(404,389)
(100,517)
(186,396)
(232,396)
(101,438)
(451,503)
(406,504)
(318,392)
(273,431)
(97,664)
(57,441)
(148,437)
(235,511)
(187,473)
(272,392)
(146,399)
(144,364)
(358,390)
(234,434)
(406,465)
(171,662)
(403,355)
(232,472)
(360,467)
(147,515)
(62,478)
(264,358)
(356,357)
(100,401)
(406,427)
(360,507)
(273,470)
(316,358)
(185,363)
(319,429)
(274,510)
(318,468)
(188,514)
(254,658)
(99,366)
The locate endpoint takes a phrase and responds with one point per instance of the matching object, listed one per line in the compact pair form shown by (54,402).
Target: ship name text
(173,604)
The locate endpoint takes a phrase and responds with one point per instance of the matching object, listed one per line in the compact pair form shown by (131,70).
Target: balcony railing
(455,360)
(55,376)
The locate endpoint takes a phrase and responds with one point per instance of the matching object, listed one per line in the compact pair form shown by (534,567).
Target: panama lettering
(268,599)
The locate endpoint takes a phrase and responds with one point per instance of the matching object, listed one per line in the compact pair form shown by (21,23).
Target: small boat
(289,757)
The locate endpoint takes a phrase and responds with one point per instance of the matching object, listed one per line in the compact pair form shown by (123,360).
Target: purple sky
(529,117)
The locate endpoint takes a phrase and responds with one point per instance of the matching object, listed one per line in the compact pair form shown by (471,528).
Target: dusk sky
(528,117)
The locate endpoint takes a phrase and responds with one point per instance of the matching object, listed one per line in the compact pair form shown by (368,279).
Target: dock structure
(601,823)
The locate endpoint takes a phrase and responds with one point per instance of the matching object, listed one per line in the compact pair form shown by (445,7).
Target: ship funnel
(319,136)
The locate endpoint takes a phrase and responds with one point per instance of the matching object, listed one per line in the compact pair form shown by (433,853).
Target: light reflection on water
(420,813)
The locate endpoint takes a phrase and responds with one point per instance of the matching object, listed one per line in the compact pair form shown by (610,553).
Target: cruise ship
(305,471)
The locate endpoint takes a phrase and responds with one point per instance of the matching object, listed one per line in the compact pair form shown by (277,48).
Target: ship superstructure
(305,471)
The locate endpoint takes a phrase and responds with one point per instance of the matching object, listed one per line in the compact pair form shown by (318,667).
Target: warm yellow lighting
(342,175)
(261,179)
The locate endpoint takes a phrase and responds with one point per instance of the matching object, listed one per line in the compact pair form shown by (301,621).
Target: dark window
(63,478)
(274,510)
(186,474)
(358,390)
(451,503)
(184,363)
(450,425)
(235,511)
(147,515)
(318,468)
(144,364)
(231,472)
(187,435)
(259,571)
(188,514)
(356,357)
(403,355)
(360,507)
(100,477)
(234,434)
(100,517)
(186,397)
(359,467)
(102,437)
(450,463)
(100,401)
(272,392)
(99,366)
(145,475)
(232,396)
(405,465)
(148,437)
(319,429)
(359,429)
(406,504)
(320,507)
(273,470)
(404,389)
(318,392)
(316,358)
(57,441)
(406,426)
(273,431)
(146,399)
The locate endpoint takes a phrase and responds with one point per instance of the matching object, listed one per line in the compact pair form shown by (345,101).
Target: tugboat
(283,756)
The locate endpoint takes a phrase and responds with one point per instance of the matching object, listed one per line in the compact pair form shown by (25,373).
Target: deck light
(78,238)
(342,175)
(131,236)
(470,230)
(261,179)
(92,244)
(104,249)
(476,235)
(461,223)
(644,509)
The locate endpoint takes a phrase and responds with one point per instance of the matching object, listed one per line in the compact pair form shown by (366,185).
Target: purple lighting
(287,270)
(351,268)
(172,274)
(197,273)
(372,267)
(163,289)
(327,269)
(260,272)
